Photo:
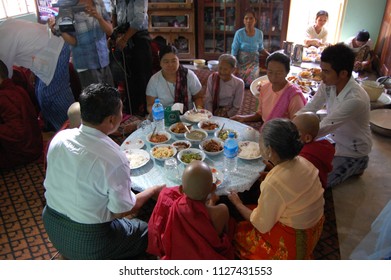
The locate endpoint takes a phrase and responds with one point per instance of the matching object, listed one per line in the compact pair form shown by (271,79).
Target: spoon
(195,108)
(188,130)
(153,133)
(221,129)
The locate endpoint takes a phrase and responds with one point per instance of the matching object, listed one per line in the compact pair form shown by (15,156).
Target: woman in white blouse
(316,34)
(173,83)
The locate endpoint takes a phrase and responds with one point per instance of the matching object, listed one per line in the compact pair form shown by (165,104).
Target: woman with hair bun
(288,220)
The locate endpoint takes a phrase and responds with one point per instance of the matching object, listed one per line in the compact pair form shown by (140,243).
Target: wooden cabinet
(217,22)
(383,46)
(174,22)
(219,19)
(272,19)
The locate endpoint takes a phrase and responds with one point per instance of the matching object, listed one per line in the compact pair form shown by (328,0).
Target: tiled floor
(358,201)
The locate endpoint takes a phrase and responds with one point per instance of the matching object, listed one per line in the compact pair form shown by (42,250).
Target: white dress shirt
(30,45)
(347,118)
(88,177)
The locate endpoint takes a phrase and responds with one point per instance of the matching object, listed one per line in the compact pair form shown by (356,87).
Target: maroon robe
(320,154)
(180,228)
(20,134)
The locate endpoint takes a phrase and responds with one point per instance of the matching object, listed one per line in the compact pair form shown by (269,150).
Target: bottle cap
(231,135)
(157,100)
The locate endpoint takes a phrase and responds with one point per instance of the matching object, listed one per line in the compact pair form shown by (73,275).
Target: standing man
(130,18)
(88,186)
(347,119)
(28,44)
(89,42)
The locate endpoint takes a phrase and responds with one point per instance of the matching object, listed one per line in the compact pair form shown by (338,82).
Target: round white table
(153,173)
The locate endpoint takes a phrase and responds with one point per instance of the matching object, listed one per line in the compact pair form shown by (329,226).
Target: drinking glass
(145,126)
(171,169)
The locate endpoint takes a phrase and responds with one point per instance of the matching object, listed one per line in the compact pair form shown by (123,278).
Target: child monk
(185,224)
(320,152)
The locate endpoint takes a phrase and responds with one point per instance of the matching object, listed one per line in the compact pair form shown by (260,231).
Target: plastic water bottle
(231,150)
(158,115)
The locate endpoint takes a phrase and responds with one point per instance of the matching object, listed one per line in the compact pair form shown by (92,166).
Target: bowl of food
(373,88)
(179,128)
(212,146)
(163,151)
(223,133)
(182,145)
(189,155)
(209,126)
(195,116)
(213,65)
(199,63)
(160,137)
(196,135)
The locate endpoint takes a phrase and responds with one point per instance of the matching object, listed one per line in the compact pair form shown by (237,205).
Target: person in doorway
(90,200)
(347,119)
(316,34)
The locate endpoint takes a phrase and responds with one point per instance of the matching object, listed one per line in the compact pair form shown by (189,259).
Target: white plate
(253,87)
(194,117)
(137,157)
(243,145)
(132,144)
(218,176)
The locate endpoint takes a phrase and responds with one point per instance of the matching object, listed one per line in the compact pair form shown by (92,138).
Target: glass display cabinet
(173,21)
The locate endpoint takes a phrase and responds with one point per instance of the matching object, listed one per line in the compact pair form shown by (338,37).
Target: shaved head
(197,180)
(307,124)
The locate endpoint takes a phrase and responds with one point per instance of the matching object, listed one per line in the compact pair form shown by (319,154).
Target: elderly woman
(173,83)
(288,220)
(224,91)
(278,98)
(247,46)
(316,35)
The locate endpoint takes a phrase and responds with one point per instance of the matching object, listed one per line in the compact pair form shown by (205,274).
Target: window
(303,12)
(12,8)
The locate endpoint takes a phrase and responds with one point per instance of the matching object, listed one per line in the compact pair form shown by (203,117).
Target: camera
(65,18)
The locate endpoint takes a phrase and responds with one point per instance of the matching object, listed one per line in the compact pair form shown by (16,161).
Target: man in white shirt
(88,186)
(347,119)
